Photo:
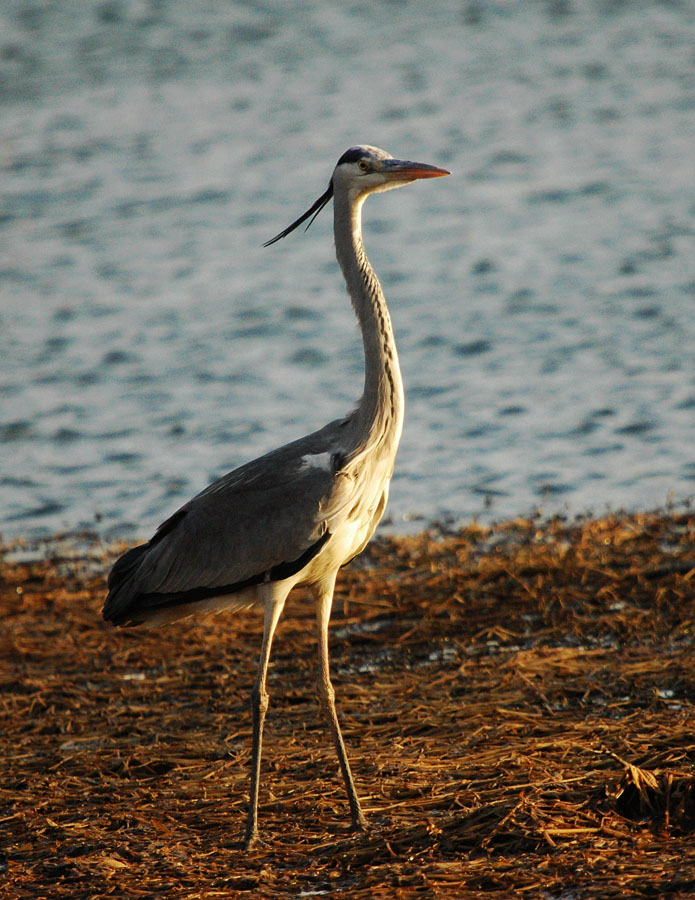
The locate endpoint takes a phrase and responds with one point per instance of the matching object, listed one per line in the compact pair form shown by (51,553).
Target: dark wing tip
(122,581)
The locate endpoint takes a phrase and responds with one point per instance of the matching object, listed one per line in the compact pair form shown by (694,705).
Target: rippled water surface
(543,296)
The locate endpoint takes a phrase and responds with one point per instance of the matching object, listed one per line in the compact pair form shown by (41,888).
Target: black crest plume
(313,211)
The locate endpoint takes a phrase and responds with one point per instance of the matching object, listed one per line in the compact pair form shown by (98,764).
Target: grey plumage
(299,513)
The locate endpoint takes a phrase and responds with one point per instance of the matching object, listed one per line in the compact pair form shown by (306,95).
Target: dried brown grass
(517,703)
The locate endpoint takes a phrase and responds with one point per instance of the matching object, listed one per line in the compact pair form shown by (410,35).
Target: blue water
(543,296)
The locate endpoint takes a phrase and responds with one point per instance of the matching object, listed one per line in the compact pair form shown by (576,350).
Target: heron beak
(405,170)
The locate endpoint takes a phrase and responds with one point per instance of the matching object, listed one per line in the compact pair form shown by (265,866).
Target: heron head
(364,170)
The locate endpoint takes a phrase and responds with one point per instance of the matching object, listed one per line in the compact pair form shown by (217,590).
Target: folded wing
(262,522)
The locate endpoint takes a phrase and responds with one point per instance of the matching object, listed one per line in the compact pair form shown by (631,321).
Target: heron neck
(380,412)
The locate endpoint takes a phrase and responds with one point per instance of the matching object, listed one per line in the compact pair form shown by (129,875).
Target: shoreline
(413,527)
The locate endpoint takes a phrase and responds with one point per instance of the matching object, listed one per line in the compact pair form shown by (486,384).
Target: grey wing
(237,531)
(263,521)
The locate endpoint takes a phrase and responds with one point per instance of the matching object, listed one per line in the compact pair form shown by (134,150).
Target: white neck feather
(380,412)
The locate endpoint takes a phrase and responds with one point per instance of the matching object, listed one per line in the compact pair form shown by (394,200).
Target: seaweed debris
(517,702)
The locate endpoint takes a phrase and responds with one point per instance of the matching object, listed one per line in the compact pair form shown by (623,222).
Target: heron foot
(359,823)
(252,841)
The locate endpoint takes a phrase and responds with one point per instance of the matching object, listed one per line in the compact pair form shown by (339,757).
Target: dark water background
(543,296)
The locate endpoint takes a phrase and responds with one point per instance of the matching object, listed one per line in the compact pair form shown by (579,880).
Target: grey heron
(299,513)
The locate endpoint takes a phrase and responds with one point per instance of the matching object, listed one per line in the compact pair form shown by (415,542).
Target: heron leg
(327,701)
(274,603)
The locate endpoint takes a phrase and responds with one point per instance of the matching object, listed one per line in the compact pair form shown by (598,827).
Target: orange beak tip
(430,172)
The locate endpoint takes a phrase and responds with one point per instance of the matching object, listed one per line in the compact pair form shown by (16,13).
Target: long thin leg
(327,700)
(274,603)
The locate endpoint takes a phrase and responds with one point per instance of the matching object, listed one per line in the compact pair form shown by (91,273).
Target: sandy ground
(517,703)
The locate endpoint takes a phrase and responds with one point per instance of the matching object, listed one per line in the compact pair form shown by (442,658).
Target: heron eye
(363,165)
